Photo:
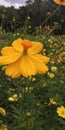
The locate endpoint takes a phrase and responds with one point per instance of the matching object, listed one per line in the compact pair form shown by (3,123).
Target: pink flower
(47,27)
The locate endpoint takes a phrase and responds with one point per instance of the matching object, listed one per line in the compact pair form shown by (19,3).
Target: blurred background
(30,15)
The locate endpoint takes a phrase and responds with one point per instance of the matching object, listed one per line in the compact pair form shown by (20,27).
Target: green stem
(50,16)
(28,125)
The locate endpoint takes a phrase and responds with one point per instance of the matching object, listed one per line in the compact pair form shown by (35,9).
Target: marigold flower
(61,111)
(22,58)
(2,111)
(60,2)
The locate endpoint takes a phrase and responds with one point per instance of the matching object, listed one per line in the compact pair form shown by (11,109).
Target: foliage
(27,101)
(37,102)
(12,19)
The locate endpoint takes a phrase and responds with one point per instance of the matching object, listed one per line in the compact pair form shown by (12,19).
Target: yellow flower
(28,114)
(60,2)
(61,111)
(13,98)
(2,111)
(22,58)
(3,127)
(54,68)
(51,75)
(52,101)
(33,79)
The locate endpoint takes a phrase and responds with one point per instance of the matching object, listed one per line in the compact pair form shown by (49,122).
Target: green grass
(33,110)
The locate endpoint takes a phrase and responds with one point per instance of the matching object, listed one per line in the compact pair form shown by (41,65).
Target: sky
(15,3)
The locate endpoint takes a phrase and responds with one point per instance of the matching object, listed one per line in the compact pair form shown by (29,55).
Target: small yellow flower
(13,98)
(24,58)
(61,111)
(38,104)
(2,111)
(51,75)
(17,33)
(11,90)
(28,114)
(52,62)
(60,2)
(45,84)
(52,101)
(33,79)
(3,127)
(26,89)
(53,68)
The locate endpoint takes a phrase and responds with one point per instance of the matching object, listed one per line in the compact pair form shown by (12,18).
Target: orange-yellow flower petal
(8,51)
(27,67)
(61,111)
(9,58)
(13,69)
(17,45)
(45,59)
(36,48)
(41,68)
(60,2)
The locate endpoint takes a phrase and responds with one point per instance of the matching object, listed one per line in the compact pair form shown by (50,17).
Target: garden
(32,66)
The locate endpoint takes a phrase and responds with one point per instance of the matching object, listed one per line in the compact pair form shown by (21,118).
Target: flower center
(26,44)
(62,112)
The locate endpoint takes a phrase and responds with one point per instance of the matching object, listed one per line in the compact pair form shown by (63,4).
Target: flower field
(34,102)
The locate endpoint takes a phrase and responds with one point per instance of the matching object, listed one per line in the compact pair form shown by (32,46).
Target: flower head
(53,68)
(60,2)
(23,58)
(51,75)
(13,98)
(2,111)
(61,111)
(47,27)
(52,101)
(3,127)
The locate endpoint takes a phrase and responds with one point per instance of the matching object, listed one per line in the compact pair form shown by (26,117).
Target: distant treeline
(34,14)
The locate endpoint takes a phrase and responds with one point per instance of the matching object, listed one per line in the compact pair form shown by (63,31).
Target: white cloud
(15,3)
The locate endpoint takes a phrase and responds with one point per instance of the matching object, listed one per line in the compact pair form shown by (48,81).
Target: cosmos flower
(61,111)
(22,58)
(47,27)
(60,2)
